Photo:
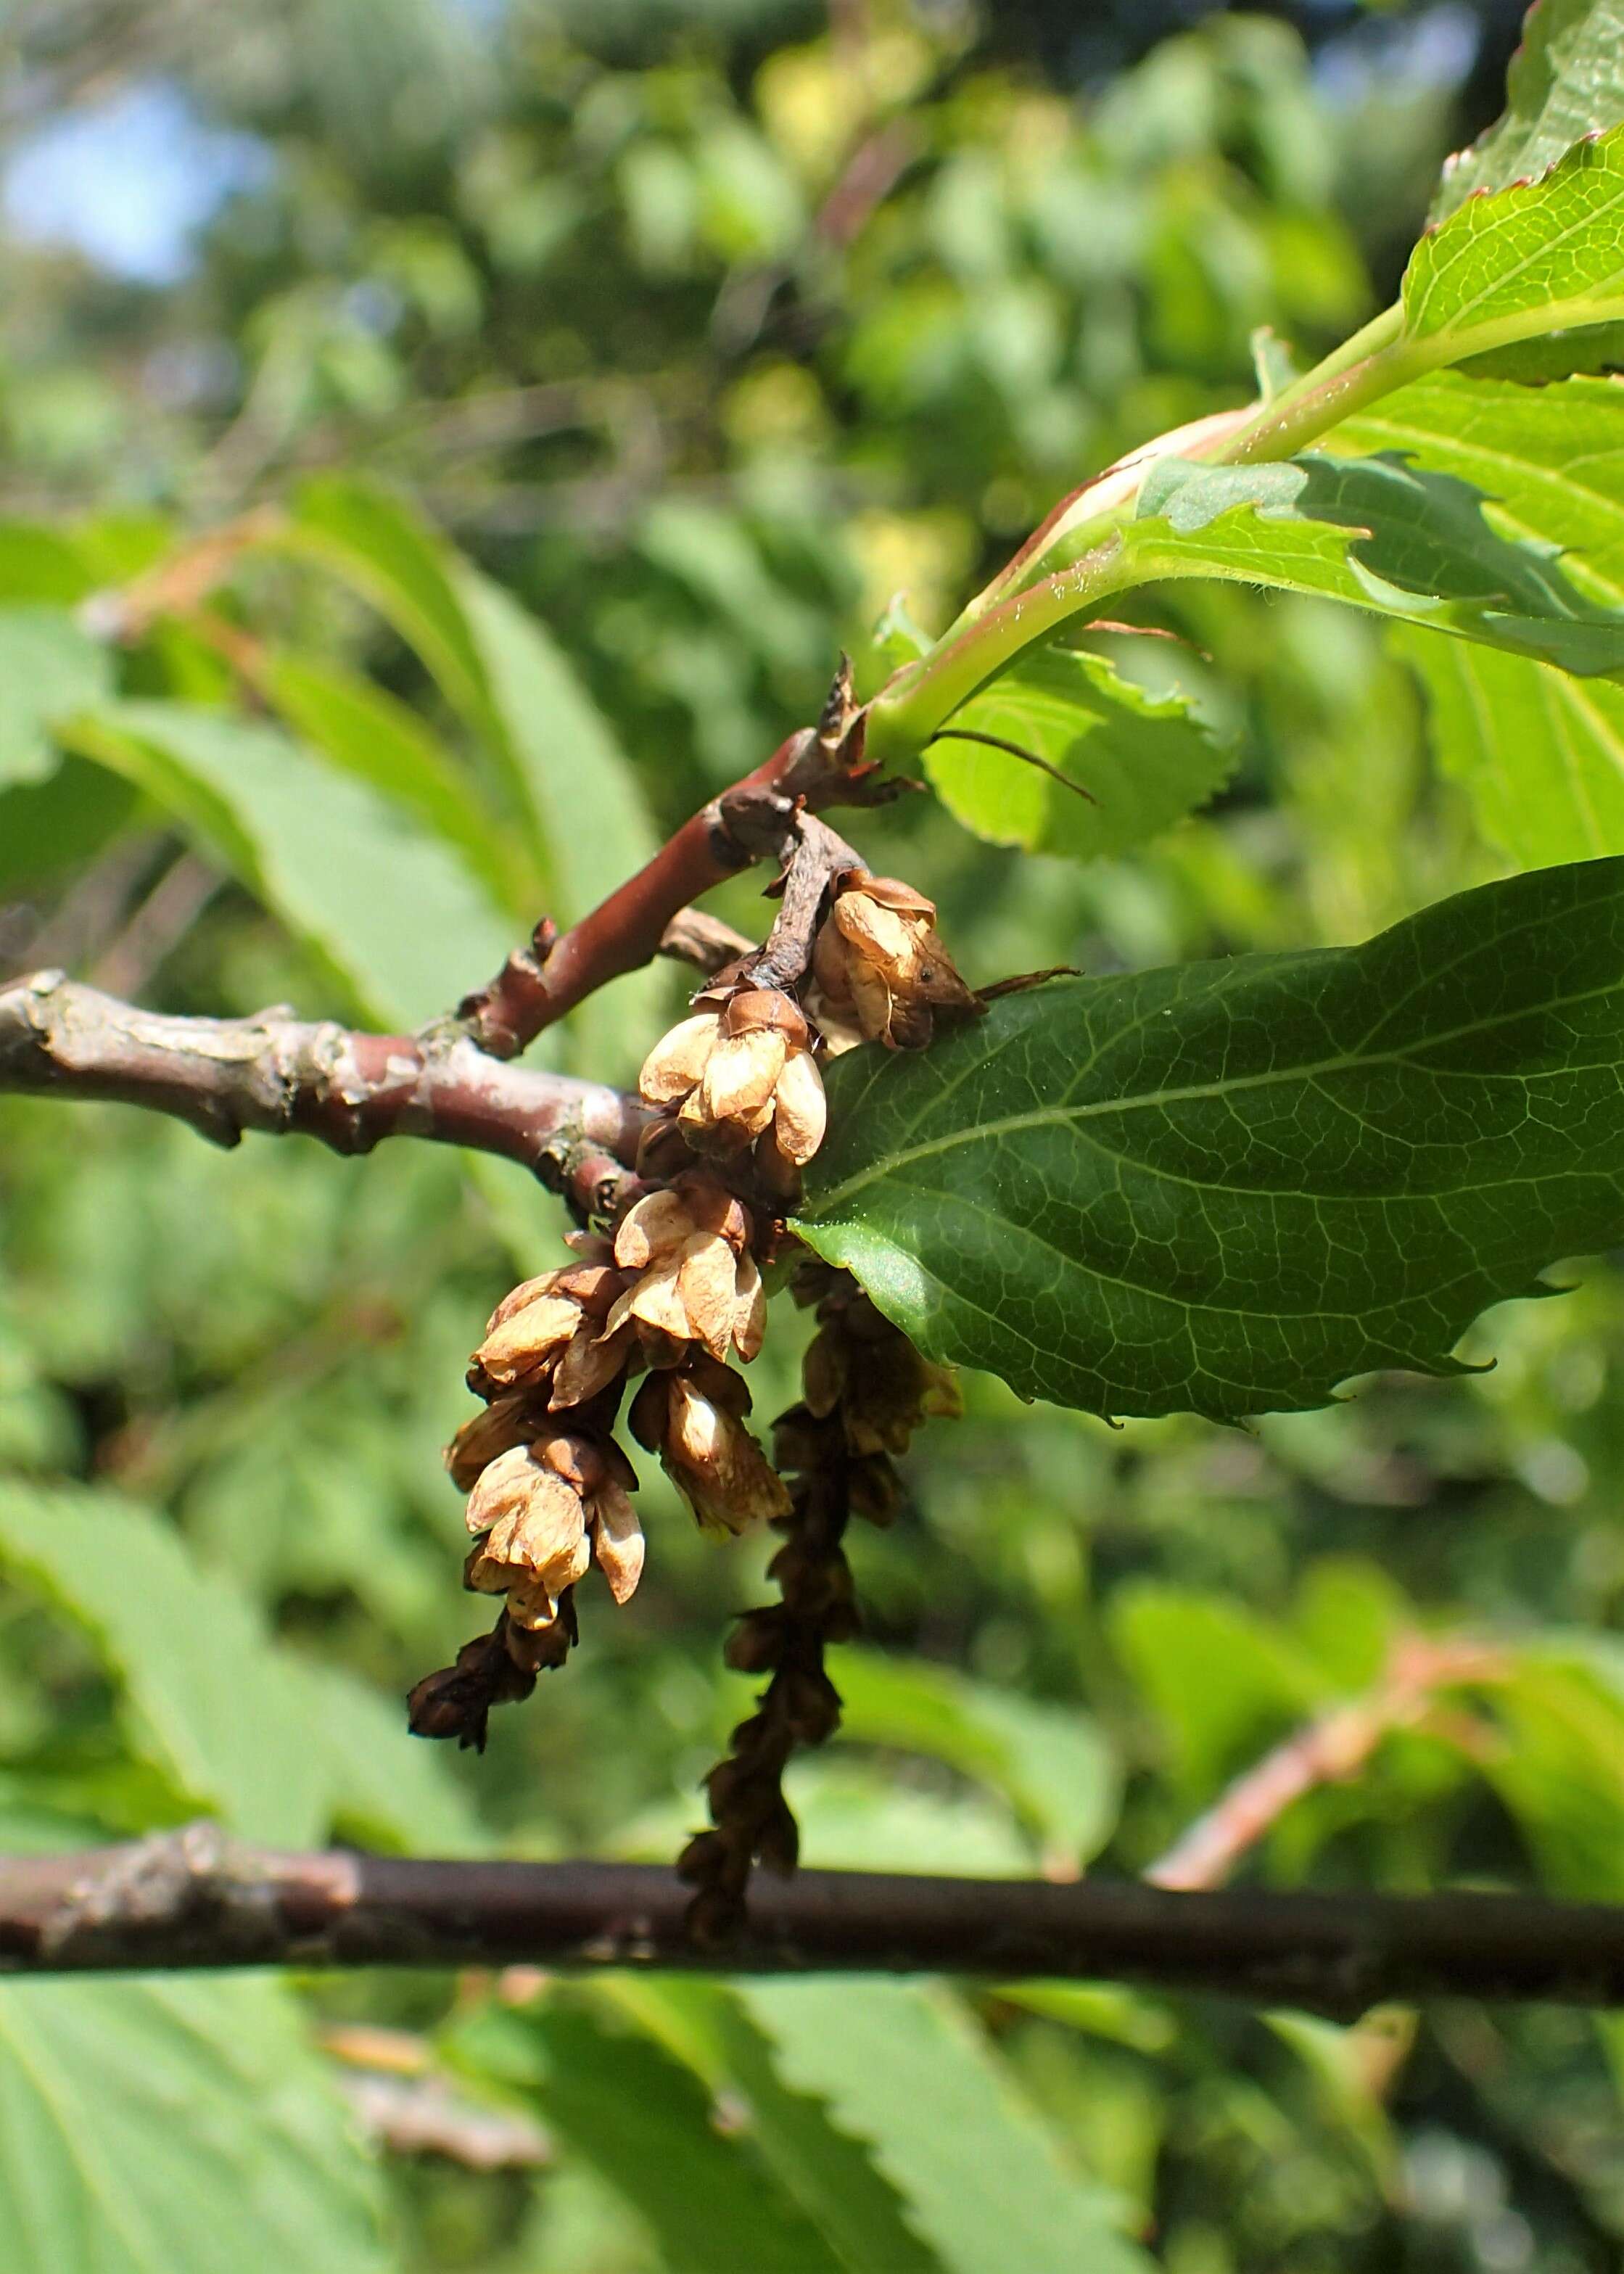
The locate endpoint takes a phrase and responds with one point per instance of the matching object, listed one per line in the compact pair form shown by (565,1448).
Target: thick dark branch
(192,1899)
(281,1075)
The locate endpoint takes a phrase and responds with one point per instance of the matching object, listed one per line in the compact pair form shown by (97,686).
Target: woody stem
(284,1075)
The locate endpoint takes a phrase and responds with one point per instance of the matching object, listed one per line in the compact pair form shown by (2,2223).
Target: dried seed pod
(696,1279)
(741,1073)
(859,1365)
(692,1419)
(547,1511)
(506,1422)
(549,1334)
(456,1700)
(879,964)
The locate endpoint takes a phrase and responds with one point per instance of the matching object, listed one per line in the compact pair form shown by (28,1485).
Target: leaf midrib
(1057,1116)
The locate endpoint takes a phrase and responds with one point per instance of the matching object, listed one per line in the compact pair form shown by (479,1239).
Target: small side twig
(703,941)
(1328,1750)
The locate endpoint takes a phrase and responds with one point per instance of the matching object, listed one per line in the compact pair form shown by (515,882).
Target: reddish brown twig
(1329,1750)
(757,819)
(281,1075)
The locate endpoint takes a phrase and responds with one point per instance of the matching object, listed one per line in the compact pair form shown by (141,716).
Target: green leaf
(590,821)
(1096,2009)
(1536,257)
(37,563)
(1143,758)
(52,826)
(384,1788)
(48,668)
(577,781)
(1588,348)
(1561,1774)
(832,2175)
(1549,460)
(1565,79)
(1379,532)
(1337,2060)
(644,2121)
(1222,1682)
(1228,1187)
(207,1698)
(901,2067)
(174,2128)
(1540,754)
(394,911)
(1051,1763)
(277,1749)
(366,732)
(555,766)
(371,538)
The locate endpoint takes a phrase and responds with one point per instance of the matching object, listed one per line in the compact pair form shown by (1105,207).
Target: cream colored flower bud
(877,958)
(692,1419)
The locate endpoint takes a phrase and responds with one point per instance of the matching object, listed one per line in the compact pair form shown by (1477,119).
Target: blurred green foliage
(702,333)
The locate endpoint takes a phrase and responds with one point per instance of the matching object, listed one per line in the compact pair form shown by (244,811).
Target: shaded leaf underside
(1540,753)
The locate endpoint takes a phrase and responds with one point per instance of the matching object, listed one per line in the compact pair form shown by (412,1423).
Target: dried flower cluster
(676,1292)
(743,1075)
(673,1297)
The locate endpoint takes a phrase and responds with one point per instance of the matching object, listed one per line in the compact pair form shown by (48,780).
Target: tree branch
(281,1075)
(194,1899)
(757,819)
